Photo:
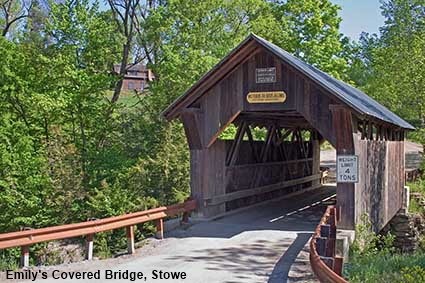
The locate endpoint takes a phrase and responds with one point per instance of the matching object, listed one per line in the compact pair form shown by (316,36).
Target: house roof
(352,97)
(137,67)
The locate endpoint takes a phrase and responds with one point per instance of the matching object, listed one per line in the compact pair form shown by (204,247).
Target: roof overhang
(356,100)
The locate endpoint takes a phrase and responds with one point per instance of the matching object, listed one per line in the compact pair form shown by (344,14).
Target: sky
(358,16)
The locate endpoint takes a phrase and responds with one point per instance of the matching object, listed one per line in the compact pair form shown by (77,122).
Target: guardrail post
(329,242)
(89,246)
(333,222)
(25,256)
(160,229)
(321,243)
(185,218)
(325,230)
(330,247)
(338,264)
(130,239)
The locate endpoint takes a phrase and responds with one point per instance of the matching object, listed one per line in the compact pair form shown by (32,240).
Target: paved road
(267,243)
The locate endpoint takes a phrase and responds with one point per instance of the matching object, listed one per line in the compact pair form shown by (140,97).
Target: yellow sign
(266,97)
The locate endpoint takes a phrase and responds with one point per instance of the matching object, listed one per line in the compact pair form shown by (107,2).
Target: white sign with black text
(347,169)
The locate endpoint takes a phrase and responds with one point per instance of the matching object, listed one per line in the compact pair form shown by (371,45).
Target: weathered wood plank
(250,192)
(266,164)
(345,197)
(192,130)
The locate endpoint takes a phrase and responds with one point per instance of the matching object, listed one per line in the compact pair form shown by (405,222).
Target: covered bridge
(261,86)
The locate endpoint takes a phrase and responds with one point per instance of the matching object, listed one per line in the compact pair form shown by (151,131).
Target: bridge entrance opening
(254,125)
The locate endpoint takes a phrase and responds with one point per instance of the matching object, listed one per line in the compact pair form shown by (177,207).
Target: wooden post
(321,243)
(185,218)
(338,264)
(89,246)
(130,239)
(325,233)
(316,159)
(325,230)
(342,124)
(330,247)
(160,229)
(25,256)
(333,222)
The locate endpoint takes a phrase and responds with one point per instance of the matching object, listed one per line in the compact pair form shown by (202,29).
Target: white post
(130,239)
(406,199)
(89,247)
(25,256)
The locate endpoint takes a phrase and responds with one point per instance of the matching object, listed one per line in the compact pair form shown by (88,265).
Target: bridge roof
(350,96)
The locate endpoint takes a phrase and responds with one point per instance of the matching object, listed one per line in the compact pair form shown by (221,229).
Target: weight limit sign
(347,169)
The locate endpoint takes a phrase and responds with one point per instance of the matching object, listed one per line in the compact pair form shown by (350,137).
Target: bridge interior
(271,155)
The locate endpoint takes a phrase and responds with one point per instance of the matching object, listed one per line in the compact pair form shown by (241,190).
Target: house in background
(137,77)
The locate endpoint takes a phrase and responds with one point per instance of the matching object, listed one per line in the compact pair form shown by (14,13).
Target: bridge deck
(267,243)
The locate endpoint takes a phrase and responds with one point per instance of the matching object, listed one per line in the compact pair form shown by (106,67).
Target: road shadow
(288,260)
(254,260)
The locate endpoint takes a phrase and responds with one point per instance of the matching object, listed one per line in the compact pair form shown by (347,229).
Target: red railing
(26,238)
(326,265)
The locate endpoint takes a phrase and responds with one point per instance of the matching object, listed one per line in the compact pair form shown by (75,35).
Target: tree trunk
(123,71)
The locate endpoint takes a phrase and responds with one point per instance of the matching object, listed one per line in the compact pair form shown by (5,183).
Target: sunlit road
(267,243)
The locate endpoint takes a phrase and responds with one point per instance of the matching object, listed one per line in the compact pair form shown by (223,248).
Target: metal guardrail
(325,264)
(26,238)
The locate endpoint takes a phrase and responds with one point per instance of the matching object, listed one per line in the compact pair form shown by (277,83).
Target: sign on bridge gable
(266,97)
(347,169)
(265,75)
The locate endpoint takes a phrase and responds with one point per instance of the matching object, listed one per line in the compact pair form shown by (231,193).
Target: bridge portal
(280,110)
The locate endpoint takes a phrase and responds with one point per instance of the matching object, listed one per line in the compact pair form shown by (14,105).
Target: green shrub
(373,259)
(368,243)
(415,274)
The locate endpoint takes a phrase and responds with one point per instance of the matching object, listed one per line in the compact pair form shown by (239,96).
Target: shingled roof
(352,97)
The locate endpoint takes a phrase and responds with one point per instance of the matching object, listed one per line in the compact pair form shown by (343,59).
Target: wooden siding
(380,189)
(207,176)
(264,59)
(313,104)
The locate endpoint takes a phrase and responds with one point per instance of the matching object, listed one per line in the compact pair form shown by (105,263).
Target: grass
(373,258)
(127,98)
(383,268)
(326,146)
(8,262)
(416,187)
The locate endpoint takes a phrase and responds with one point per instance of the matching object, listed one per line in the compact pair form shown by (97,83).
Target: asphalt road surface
(267,243)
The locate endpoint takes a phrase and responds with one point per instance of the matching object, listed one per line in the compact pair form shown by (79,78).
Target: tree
(51,100)
(125,14)
(12,11)
(394,61)
(189,37)
(311,29)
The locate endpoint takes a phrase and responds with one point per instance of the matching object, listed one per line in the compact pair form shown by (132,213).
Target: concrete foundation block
(344,238)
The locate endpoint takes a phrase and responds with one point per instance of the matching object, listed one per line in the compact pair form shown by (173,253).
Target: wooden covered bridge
(260,86)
